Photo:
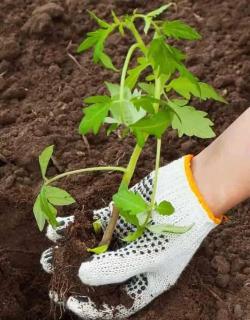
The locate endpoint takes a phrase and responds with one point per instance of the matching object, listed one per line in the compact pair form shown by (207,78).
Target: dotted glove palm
(153,263)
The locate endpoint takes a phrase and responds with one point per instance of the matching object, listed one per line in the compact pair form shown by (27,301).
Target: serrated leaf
(165,208)
(185,87)
(97,99)
(58,197)
(132,236)
(155,124)
(44,159)
(129,201)
(169,228)
(208,92)
(100,22)
(97,226)
(180,30)
(164,57)
(93,118)
(38,213)
(96,39)
(98,250)
(187,120)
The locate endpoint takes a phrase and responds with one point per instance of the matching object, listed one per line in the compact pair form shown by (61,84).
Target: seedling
(152,96)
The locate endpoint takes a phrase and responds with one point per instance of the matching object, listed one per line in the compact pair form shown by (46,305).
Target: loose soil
(70,252)
(41,91)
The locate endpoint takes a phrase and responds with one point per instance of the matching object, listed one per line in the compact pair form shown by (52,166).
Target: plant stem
(107,236)
(137,36)
(125,68)
(157,165)
(65,174)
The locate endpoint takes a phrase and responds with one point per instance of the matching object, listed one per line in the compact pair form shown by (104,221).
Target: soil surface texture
(41,91)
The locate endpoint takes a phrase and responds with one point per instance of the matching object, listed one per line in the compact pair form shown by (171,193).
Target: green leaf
(165,208)
(96,39)
(124,111)
(158,11)
(129,201)
(89,42)
(179,102)
(145,102)
(180,30)
(112,128)
(208,92)
(164,57)
(98,250)
(38,213)
(48,209)
(129,218)
(187,120)
(44,159)
(58,197)
(155,124)
(132,236)
(97,226)
(97,99)
(169,228)
(185,87)
(142,217)
(93,118)
(106,61)
(149,88)
(115,18)
(101,22)
(140,137)
(134,74)
(113,88)
(148,21)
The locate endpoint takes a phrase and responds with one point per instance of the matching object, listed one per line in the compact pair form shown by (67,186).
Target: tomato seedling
(152,96)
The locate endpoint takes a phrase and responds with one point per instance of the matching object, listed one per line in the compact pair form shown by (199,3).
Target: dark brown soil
(41,89)
(67,259)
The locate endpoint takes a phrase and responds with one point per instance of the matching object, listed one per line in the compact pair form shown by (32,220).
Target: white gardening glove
(151,264)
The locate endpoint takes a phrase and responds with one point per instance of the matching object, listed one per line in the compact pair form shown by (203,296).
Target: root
(59,284)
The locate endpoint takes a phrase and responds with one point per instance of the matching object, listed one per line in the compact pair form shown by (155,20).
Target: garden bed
(41,90)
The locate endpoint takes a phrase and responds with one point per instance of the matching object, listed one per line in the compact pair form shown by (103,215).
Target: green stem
(125,68)
(137,36)
(65,174)
(131,165)
(157,95)
(157,165)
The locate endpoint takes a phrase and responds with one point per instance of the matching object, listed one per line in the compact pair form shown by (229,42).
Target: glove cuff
(176,184)
(193,186)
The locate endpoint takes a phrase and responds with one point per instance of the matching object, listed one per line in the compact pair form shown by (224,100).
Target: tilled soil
(41,91)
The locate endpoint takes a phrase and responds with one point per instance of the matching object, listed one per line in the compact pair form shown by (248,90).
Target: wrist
(210,185)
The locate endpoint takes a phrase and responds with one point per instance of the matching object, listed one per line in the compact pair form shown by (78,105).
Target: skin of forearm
(222,170)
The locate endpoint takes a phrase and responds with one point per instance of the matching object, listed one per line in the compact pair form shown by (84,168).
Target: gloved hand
(153,263)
